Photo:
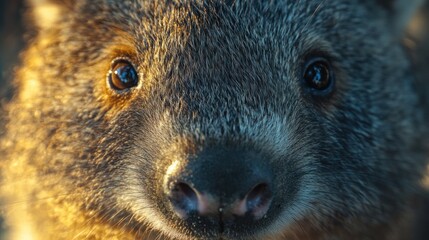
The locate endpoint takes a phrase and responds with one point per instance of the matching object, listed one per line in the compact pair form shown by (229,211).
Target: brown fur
(83,162)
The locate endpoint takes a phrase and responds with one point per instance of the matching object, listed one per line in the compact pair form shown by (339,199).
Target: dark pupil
(317,76)
(124,76)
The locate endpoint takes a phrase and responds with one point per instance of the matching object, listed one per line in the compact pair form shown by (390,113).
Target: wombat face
(226,119)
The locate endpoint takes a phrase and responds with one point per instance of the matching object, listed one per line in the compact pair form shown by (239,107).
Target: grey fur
(82,161)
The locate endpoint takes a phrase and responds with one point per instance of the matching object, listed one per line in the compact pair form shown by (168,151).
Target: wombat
(204,119)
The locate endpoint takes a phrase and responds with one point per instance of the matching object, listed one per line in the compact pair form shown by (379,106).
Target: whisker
(313,15)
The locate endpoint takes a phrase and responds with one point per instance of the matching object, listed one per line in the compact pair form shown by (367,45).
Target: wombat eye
(122,75)
(318,76)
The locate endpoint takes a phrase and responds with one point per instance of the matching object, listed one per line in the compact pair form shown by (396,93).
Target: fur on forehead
(47,12)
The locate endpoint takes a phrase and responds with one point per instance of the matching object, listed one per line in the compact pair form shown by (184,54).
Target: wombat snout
(222,184)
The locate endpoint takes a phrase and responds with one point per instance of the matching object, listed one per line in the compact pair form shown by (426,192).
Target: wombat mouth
(220,226)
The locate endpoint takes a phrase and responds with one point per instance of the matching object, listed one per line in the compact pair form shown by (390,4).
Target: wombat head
(225,119)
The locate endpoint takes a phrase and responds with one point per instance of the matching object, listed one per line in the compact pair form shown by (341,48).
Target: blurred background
(11,40)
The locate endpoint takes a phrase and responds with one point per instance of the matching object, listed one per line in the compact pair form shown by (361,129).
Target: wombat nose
(221,183)
(185,199)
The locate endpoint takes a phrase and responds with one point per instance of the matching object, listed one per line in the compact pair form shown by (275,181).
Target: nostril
(258,200)
(258,195)
(183,199)
(186,190)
